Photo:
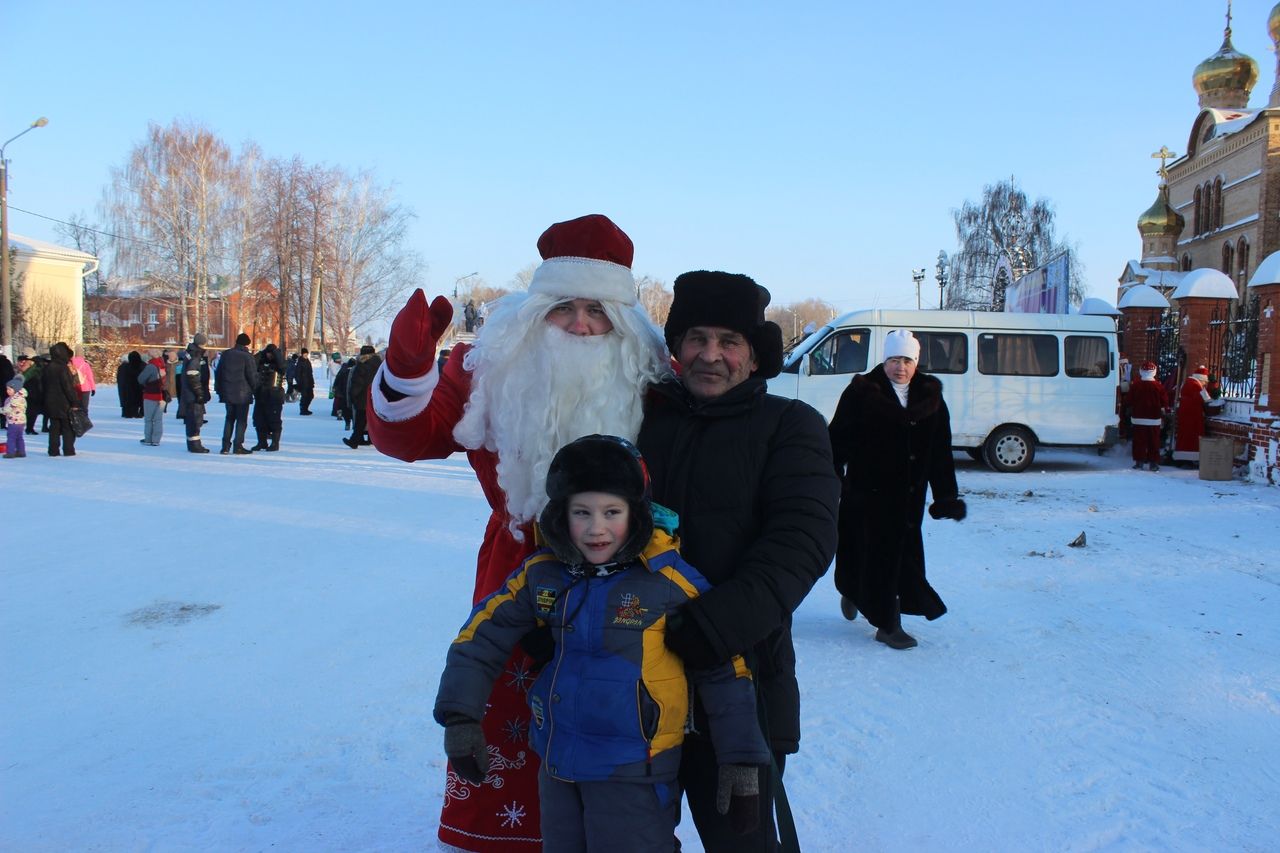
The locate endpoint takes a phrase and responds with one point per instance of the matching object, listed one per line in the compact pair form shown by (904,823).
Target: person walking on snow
(891,438)
(14,411)
(569,357)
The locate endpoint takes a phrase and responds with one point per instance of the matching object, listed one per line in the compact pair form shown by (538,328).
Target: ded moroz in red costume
(509,402)
(1193,402)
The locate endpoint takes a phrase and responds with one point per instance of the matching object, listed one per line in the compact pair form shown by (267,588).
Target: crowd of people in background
(39,392)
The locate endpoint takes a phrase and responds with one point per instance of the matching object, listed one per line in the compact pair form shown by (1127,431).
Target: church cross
(1162,155)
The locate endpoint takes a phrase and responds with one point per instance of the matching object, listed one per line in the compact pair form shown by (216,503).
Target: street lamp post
(917,276)
(7,311)
(941,275)
(457,281)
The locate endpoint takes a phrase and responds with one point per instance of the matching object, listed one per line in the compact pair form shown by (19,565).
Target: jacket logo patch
(545,600)
(629,611)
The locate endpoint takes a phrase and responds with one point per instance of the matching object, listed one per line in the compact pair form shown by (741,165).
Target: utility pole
(6,313)
(941,275)
(917,276)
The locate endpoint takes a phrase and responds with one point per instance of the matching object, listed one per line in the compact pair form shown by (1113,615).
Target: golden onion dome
(1225,79)
(1273,25)
(1160,219)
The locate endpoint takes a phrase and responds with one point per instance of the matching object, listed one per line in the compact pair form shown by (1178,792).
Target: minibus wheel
(1010,449)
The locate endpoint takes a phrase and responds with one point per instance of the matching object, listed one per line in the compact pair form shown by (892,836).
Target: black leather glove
(464,744)
(684,637)
(540,645)
(738,796)
(953,509)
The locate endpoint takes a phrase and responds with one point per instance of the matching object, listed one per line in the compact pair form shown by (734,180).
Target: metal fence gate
(1233,345)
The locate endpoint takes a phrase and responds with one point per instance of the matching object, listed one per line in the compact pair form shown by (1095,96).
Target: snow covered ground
(240,653)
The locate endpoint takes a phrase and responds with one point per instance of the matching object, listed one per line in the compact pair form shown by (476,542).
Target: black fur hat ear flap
(596,463)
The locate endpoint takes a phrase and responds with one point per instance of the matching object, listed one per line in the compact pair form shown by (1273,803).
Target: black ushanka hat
(597,463)
(730,301)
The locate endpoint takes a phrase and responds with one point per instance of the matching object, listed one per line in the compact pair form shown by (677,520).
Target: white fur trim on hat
(900,342)
(584,278)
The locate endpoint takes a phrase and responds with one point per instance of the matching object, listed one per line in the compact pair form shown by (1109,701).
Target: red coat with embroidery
(500,815)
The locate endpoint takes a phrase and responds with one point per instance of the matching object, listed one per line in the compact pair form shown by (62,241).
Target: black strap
(788,840)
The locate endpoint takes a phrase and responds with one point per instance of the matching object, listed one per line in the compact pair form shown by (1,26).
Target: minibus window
(843,352)
(943,352)
(1017,355)
(1086,356)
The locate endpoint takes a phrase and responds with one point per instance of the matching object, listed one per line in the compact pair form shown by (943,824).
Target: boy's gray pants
(619,817)
(152,421)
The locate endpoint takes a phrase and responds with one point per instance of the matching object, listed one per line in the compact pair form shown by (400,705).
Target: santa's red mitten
(414,333)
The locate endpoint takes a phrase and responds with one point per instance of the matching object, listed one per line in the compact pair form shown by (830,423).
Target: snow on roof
(32,246)
(1094,305)
(1136,272)
(1268,272)
(1206,283)
(1143,296)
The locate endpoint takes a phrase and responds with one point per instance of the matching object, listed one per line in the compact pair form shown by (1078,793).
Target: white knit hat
(900,342)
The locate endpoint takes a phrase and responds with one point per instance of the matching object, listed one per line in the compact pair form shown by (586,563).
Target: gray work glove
(464,744)
(738,796)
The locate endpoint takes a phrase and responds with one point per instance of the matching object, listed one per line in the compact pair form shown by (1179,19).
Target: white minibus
(1011,381)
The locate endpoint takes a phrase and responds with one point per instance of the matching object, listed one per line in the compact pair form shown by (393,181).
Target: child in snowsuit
(1148,403)
(15,418)
(609,709)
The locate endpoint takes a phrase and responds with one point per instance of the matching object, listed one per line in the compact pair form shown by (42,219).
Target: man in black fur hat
(752,479)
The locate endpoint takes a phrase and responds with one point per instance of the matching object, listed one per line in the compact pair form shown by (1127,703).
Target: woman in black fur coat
(891,437)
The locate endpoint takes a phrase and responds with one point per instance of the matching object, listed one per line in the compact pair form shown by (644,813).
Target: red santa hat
(1201,374)
(586,258)
(1147,370)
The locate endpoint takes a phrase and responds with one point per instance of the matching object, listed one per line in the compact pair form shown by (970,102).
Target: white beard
(547,390)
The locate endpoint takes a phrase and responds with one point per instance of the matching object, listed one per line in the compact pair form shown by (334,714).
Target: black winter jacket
(304,378)
(237,375)
(751,477)
(60,394)
(887,456)
(361,378)
(195,378)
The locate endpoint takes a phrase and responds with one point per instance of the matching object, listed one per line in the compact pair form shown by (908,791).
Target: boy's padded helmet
(597,463)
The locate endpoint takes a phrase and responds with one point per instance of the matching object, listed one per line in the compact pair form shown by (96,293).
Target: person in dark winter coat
(752,479)
(235,379)
(194,392)
(60,396)
(305,379)
(603,586)
(341,402)
(268,399)
(358,383)
(127,385)
(891,438)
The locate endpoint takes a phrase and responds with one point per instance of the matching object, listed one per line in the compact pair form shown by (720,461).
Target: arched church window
(1217,203)
(1186,262)
(1227,256)
(1242,268)
(1196,229)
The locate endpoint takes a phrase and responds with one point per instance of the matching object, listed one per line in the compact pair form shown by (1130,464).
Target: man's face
(899,369)
(582,317)
(713,360)
(598,525)
(24,363)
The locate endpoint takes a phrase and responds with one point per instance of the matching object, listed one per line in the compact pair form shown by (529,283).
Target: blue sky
(819,147)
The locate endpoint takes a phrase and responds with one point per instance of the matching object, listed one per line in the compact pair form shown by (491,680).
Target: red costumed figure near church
(571,357)
(1193,403)
(1147,405)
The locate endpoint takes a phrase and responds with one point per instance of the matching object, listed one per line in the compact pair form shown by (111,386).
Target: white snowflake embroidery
(517,730)
(511,815)
(457,788)
(521,677)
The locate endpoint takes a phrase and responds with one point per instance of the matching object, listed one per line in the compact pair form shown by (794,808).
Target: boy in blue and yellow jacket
(610,707)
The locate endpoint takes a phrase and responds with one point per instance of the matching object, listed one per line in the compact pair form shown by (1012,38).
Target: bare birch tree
(1002,237)
(167,206)
(655,298)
